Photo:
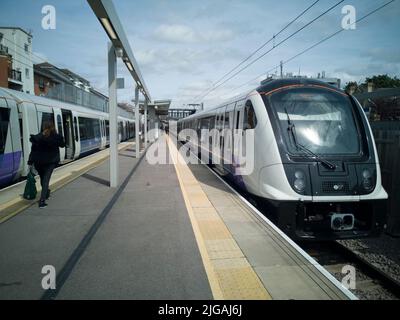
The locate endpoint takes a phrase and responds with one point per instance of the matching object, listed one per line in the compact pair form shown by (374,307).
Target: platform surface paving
(167,232)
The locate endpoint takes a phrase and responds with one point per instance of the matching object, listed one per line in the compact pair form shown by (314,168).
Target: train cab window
(59,124)
(4,120)
(249,119)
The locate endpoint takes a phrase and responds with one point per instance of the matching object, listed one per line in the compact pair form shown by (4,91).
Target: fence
(72,94)
(387,139)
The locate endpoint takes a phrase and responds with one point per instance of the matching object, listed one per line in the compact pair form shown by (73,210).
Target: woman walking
(45,156)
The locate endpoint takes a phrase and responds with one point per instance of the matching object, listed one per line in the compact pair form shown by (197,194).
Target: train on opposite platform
(84,130)
(316,169)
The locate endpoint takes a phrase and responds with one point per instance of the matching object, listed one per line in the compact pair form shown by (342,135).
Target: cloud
(38,57)
(175,33)
(386,55)
(184,60)
(178,33)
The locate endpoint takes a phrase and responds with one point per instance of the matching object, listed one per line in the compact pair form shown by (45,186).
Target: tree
(350,85)
(384,81)
(379,81)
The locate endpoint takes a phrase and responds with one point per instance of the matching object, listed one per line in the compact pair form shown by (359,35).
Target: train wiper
(312,155)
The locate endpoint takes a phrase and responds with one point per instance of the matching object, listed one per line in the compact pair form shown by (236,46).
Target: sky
(184,46)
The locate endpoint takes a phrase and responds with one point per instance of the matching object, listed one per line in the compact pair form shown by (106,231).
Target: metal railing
(71,94)
(15,75)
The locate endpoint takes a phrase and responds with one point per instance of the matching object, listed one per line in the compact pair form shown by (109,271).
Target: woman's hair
(48,129)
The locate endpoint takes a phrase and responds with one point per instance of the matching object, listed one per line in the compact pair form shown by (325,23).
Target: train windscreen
(319,119)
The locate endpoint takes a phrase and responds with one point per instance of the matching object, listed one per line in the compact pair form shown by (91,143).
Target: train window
(45,117)
(83,133)
(226,120)
(59,124)
(204,123)
(237,119)
(212,122)
(4,120)
(96,127)
(89,128)
(107,128)
(221,124)
(249,119)
(76,128)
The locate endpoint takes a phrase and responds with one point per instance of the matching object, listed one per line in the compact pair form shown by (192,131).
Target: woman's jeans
(45,171)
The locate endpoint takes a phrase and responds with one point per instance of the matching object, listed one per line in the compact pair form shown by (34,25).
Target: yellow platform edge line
(211,274)
(214,276)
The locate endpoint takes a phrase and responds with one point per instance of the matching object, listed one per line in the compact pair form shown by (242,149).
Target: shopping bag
(30,186)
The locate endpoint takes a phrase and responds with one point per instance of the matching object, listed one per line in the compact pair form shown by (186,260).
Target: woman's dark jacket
(45,149)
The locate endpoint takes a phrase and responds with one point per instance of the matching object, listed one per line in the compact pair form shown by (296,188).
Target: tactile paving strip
(229,273)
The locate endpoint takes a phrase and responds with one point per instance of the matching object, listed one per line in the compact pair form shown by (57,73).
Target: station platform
(168,231)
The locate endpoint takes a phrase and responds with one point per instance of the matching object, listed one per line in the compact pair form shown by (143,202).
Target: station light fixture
(129,65)
(108,18)
(110,30)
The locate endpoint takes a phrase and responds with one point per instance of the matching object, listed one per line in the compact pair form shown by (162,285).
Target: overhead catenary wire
(315,45)
(274,47)
(23,49)
(262,46)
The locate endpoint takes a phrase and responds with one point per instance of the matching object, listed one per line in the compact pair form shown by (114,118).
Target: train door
(103,133)
(15,137)
(220,141)
(107,132)
(6,152)
(30,126)
(228,140)
(119,131)
(76,139)
(60,130)
(238,133)
(68,129)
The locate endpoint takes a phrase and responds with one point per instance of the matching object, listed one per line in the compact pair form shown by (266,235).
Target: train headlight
(299,182)
(367,180)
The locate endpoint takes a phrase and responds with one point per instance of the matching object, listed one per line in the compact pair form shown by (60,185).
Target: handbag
(30,186)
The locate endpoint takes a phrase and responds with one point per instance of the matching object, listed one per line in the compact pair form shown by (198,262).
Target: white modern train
(316,168)
(21,115)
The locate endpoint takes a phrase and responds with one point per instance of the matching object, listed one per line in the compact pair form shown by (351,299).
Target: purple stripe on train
(9,164)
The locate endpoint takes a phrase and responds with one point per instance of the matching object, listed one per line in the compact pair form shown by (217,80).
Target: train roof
(26,97)
(278,83)
(269,86)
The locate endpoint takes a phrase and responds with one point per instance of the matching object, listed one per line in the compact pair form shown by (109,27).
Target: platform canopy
(106,13)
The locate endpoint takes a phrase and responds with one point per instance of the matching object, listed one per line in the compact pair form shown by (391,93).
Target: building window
(26,48)
(41,84)
(27,73)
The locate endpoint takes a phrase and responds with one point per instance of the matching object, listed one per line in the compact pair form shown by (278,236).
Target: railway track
(371,283)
